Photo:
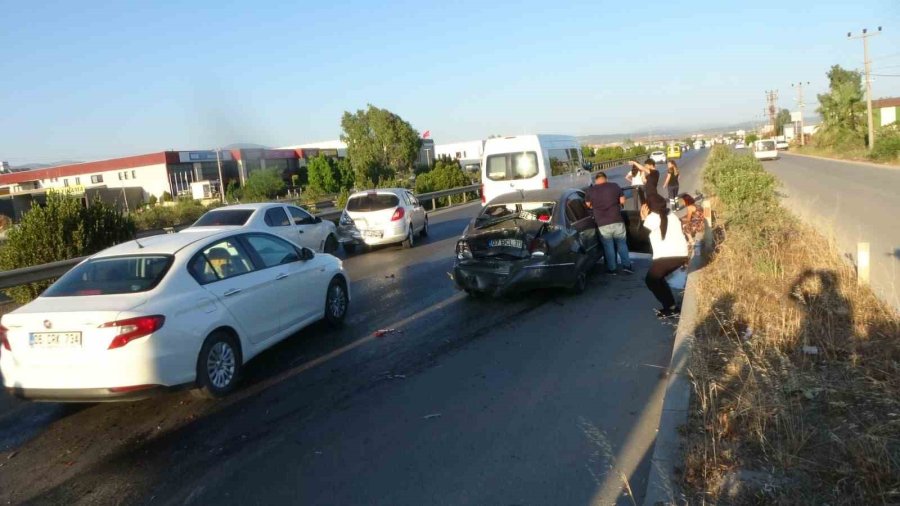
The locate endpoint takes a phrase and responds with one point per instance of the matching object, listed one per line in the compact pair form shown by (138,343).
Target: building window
(134,174)
(66,183)
(77,181)
(97,179)
(121,177)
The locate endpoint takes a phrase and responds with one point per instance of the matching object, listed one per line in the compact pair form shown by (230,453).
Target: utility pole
(772,108)
(800,105)
(221,181)
(865,38)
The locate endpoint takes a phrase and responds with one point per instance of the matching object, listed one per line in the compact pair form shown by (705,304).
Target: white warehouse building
(467,152)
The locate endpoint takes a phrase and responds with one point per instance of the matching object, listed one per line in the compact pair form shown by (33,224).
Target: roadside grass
(796,369)
(855,155)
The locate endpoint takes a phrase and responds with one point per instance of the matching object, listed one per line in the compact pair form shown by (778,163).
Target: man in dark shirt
(606,200)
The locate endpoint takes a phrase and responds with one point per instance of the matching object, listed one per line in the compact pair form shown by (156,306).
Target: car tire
(331,244)
(580,284)
(336,302)
(410,240)
(424,232)
(218,366)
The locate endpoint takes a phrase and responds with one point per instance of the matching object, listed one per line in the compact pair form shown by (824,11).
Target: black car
(536,238)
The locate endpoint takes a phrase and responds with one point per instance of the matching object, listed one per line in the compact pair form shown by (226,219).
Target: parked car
(535,238)
(740,145)
(170,311)
(782,145)
(288,221)
(382,216)
(658,156)
(531,162)
(765,149)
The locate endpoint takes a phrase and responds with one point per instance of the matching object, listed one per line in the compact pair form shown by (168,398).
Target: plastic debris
(384,332)
(811,350)
(433,415)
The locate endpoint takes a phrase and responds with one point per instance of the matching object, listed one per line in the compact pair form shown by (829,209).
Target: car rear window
(111,276)
(372,202)
(224,217)
(511,166)
(529,211)
(767,146)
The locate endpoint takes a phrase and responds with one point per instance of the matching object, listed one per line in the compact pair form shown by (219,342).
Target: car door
(296,278)
(638,237)
(309,229)
(584,245)
(226,270)
(417,211)
(278,223)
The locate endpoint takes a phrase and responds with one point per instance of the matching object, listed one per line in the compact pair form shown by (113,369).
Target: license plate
(505,243)
(373,233)
(55,339)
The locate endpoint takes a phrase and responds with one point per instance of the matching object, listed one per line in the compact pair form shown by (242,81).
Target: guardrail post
(707,230)
(465,197)
(862,263)
(433,204)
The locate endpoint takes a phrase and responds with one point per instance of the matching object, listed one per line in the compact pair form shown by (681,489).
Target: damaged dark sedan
(531,239)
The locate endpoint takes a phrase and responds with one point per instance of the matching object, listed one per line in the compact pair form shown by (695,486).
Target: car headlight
(463,252)
(346,219)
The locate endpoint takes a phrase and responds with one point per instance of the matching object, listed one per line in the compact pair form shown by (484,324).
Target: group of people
(671,244)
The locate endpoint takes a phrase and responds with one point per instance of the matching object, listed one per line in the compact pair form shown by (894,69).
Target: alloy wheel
(221,363)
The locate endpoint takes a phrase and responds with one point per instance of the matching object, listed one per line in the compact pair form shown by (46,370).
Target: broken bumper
(501,278)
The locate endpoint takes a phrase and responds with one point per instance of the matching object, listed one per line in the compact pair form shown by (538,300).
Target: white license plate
(373,233)
(55,339)
(505,243)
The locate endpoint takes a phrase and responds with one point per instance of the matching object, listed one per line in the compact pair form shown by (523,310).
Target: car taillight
(538,247)
(463,252)
(482,195)
(134,328)
(398,214)
(546,183)
(3,339)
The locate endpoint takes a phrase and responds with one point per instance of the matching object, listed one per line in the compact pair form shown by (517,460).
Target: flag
(427,134)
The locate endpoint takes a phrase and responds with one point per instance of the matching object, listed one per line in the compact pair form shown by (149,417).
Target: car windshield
(531,211)
(509,166)
(111,276)
(224,217)
(372,202)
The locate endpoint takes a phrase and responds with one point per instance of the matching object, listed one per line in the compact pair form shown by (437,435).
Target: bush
(741,183)
(445,175)
(184,212)
(166,197)
(322,175)
(887,144)
(152,200)
(262,185)
(61,230)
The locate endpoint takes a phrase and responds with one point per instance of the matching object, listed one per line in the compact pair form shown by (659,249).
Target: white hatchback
(169,311)
(290,222)
(658,156)
(382,216)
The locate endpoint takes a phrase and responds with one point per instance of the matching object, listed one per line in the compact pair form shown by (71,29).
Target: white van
(531,162)
(765,149)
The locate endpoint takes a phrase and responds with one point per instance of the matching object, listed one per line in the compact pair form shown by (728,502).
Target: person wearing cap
(670,252)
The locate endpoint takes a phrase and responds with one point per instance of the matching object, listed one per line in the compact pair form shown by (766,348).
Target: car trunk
(57,330)
(508,240)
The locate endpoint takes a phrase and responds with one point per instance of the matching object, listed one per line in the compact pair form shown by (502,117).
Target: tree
(346,177)
(842,110)
(262,185)
(751,138)
(322,175)
(587,152)
(782,118)
(379,144)
(60,230)
(445,175)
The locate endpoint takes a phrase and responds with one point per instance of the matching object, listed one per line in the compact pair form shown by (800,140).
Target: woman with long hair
(670,252)
(693,222)
(671,182)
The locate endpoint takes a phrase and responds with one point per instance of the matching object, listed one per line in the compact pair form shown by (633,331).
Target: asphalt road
(851,203)
(548,398)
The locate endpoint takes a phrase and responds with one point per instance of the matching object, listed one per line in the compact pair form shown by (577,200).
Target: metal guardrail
(43,272)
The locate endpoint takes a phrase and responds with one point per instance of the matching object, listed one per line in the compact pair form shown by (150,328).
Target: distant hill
(677,132)
(245,145)
(33,166)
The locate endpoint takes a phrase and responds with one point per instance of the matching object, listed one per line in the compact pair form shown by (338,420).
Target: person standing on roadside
(606,199)
(671,182)
(670,252)
(651,176)
(636,178)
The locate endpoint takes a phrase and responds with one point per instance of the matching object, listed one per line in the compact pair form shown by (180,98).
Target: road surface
(547,398)
(851,203)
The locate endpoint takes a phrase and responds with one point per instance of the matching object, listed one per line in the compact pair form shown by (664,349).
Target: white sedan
(290,222)
(170,311)
(382,216)
(658,156)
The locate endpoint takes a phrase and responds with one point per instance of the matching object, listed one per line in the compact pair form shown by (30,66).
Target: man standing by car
(606,199)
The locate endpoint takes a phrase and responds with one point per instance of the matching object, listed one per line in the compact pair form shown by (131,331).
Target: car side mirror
(306,254)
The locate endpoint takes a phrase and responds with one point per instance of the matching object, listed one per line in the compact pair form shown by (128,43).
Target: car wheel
(331,245)
(336,302)
(580,284)
(424,232)
(218,366)
(410,240)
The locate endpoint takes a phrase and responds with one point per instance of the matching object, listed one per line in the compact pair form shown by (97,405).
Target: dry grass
(857,155)
(824,427)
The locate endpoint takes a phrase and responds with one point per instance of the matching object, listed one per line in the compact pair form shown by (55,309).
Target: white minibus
(531,162)
(765,149)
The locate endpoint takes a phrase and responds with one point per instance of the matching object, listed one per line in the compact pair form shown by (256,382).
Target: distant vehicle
(170,311)
(782,145)
(531,162)
(698,144)
(673,152)
(473,167)
(536,238)
(382,216)
(658,156)
(290,222)
(765,149)
(740,145)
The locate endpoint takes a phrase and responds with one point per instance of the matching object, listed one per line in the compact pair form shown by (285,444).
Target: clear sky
(89,80)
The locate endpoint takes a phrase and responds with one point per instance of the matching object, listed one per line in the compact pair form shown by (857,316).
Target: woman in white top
(636,178)
(670,252)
